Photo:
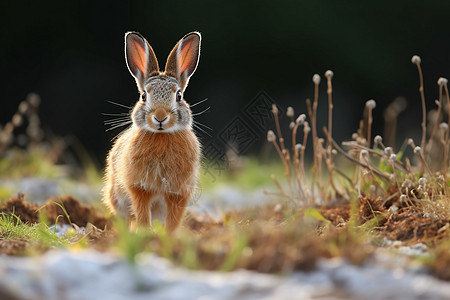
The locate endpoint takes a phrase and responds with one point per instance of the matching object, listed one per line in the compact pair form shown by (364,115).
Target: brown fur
(143,163)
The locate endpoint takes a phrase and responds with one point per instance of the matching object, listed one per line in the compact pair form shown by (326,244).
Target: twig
(416,60)
(340,150)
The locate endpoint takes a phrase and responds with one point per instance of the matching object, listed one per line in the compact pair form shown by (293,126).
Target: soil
(27,212)
(79,214)
(13,246)
(273,242)
(411,226)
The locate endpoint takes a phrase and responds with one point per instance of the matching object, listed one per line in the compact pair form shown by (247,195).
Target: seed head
(354,136)
(316,79)
(290,112)
(271,137)
(442,81)
(393,209)
(422,181)
(416,59)
(306,127)
(411,142)
(301,119)
(23,106)
(329,74)
(371,104)
(274,109)
(417,150)
(393,157)
(361,141)
(17,120)
(334,152)
(299,147)
(443,126)
(378,139)
(34,99)
(403,198)
(388,151)
(407,183)
(364,153)
(277,208)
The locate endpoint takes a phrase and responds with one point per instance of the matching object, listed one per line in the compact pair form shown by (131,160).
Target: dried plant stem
(422,158)
(302,152)
(330,111)
(313,116)
(314,121)
(424,109)
(284,195)
(330,163)
(436,120)
(400,165)
(346,155)
(296,157)
(371,168)
(296,162)
(284,154)
(444,165)
(344,176)
(444,172)
(277,124)
(395,175)
(369,126)
(320,156)
(329,160)
(285,164)
(280,188)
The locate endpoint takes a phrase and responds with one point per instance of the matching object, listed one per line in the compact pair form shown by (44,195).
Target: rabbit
(153,166)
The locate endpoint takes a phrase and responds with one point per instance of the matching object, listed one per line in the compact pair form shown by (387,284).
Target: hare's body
(153,166)
(162,167)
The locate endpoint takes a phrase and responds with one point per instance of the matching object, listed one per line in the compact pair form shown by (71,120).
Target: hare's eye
(144,96)
(179,96)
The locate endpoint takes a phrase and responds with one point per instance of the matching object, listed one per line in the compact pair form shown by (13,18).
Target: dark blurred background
(71,54)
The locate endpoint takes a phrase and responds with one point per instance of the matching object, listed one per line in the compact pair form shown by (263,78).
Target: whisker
(203,111)
(118,104)
(116,120)
(142,137)
(119,125)
(116,123)
(117,135)
(115,115)
(199,102)
(198,123)
(199,128)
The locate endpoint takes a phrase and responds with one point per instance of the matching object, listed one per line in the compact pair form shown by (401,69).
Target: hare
(152,167)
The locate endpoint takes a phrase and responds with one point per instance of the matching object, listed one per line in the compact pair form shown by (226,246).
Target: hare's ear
(183,59)
(140,58)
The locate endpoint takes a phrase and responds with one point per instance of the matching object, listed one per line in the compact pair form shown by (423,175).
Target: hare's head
(161,107)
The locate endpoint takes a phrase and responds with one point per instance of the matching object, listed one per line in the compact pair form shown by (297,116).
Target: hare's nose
(162,121)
